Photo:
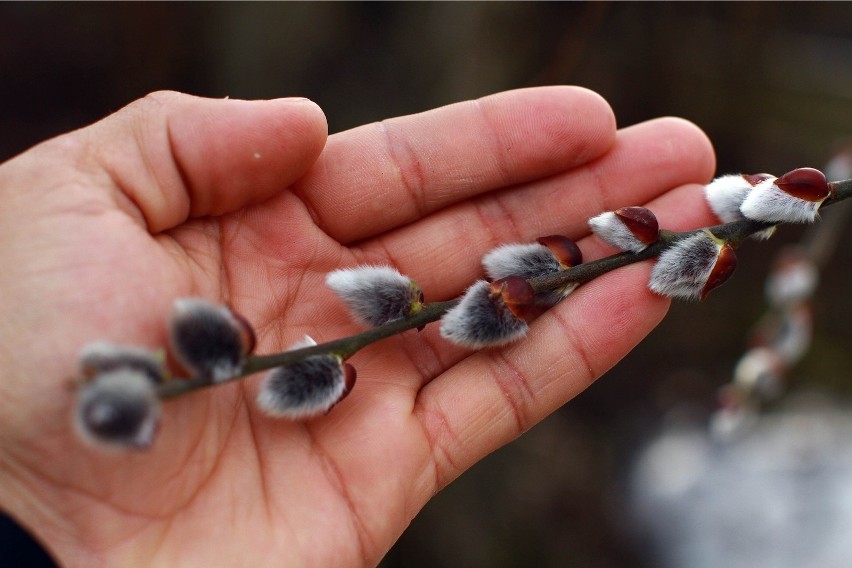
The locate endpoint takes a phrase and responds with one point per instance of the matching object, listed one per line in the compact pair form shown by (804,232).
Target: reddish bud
(641,222)
(518,296)
(725,265)
(209,339)
(805,183)
(309,387)
(483,318)
(754,179)
(249,337)
(349,376)
(564,249)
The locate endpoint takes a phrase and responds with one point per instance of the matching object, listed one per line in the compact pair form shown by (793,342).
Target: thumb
(177,156)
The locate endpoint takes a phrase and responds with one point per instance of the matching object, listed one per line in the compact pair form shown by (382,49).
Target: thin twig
(734,232)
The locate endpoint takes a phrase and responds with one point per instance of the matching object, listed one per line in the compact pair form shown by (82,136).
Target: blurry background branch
(782,336)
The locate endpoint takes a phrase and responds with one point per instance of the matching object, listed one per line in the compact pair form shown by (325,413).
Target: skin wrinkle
(193,257)
(431,463)
(419,360)
(408,349)
(575,190)
(267,320)
(261,470)
(159,182)
(185,187)
(18,471)
(388,256)
(172,515)
(409,171)
(215,465)
(135,210)
(193,458)
(561,152)
(443,474)
(315,216)
(572,335)
(80,495)
(520,386)
(493,238)
(600,190)
(498,148)
(337,481)
(505,212)
(225,284)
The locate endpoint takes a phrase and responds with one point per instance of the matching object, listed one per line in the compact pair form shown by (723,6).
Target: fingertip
(694,145)
(178,156)
(310,113)
(233,152)
(595,101)
(575,125)
(598,116)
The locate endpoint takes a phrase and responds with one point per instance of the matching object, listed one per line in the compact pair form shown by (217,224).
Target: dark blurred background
(771,83)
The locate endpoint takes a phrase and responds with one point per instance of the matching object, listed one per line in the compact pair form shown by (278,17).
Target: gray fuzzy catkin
(769,203)
(302,389)
(725,195)
(375,295)
(481,320)
(118,409)
(611,230)
(207,339)
(528,260)
(682,270)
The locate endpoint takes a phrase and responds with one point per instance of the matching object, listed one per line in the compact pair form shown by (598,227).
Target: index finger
(383,175)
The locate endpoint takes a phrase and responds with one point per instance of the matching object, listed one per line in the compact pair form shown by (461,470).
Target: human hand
(241,202)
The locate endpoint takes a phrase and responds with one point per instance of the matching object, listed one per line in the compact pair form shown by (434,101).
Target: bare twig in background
(782,336)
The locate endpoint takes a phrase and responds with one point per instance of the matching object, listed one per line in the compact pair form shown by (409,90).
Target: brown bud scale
(754,179)
(518,296)
(349,375)
(725,265)
(249,337)
(564,249)
(805,183)
(641,222)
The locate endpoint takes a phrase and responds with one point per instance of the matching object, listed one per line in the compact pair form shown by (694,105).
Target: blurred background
(628,474)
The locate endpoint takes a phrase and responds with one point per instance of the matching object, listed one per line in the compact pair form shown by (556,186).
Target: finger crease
(601,192)
(440,437)
(580,348)
(498,148)
(264,483)
(181,172)
(408,167)
(424,357)
(335,479)
(506,213)
(516,390)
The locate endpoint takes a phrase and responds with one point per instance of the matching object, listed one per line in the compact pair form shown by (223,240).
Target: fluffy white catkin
(375,295)
(481,319)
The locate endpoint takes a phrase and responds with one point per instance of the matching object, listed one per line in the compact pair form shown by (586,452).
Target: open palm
(247,203)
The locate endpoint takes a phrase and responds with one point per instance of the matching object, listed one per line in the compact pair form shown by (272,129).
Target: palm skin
(248,203)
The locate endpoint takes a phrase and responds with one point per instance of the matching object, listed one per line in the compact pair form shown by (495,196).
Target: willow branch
(734,232)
